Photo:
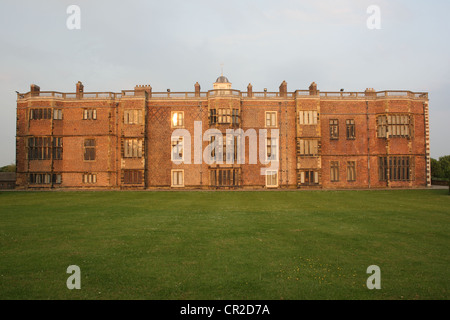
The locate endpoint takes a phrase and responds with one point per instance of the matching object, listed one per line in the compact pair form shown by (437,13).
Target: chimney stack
(370,92)
(34,90)
(283,89)
(79,90)
(143,88)
(250,90)
(313,89)
(197,89)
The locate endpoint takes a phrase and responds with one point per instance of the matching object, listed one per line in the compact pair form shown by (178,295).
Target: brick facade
(123,140)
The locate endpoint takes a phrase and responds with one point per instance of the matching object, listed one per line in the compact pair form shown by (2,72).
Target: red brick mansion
(108,140)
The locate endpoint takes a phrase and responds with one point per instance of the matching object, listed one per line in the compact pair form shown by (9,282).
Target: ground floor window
(396,168)
(308,177)
(45,178)
(132,177)
(334,171)
(177,178)
(271,178)
(224,177)
(351,171)
(89,178)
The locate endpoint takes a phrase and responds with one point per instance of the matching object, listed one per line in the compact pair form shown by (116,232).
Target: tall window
(272,149)
(177,178)
(45,148)
(212,116)
(308,147)
(271,119)
(132,116)
(351,133)
(334,129)
(132,148)
(351,171)
(177,149)
(177,119)
(235,117)
(271,178)
(334,171)
(396,168)
(90,114)
(308,117)
(132,177)
(57,147)
(89,149)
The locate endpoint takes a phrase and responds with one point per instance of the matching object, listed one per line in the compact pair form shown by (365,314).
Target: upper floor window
(57,114)
(132,116)
(224,115)
(90,114)
(394,126)
(271,119)
(212,116)
(45,148)
(272,149)
(235,116)
(177,153)
(132,148)
(89,149)
(177,119)
(350,129)
(308,147)
(308,117)
(40,113)
(334,129)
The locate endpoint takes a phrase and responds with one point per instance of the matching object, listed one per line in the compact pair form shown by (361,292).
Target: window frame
(273,115)
(178,171)
(269,173)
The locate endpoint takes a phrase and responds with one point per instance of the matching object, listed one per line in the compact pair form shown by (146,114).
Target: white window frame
(180,141)
(172,184)
(277,148)
(308,117)
(268,174)
(180,117)
(133,116)
(272,120)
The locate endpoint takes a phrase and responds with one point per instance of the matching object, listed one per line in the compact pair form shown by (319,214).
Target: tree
(444,163)
(436,170)
(8,168)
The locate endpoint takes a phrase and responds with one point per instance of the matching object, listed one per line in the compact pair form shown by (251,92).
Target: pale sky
(173,44)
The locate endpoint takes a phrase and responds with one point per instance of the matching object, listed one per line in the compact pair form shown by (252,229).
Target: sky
(173,44)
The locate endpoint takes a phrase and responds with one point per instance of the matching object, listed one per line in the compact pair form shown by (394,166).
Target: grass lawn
(225,245)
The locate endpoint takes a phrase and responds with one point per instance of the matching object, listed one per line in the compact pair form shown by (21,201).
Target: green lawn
(225,245)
